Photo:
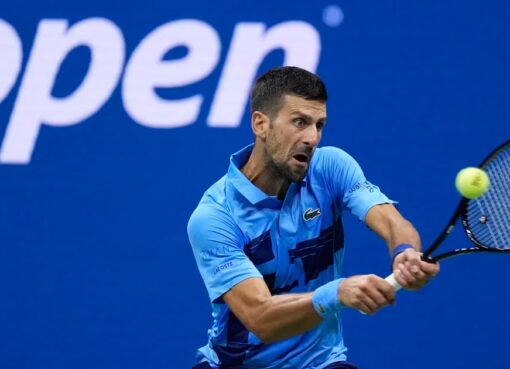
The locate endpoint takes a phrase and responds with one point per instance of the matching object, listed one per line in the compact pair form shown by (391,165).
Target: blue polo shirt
(296,245)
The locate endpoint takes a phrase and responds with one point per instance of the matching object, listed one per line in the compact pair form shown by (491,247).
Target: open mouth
(302,158)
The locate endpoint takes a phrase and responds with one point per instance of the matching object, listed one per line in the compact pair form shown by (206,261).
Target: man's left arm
(410,271)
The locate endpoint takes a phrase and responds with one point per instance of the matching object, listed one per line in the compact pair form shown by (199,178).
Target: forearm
(271,318)
(402,232)
(284,316)
(387,222)
(408,268)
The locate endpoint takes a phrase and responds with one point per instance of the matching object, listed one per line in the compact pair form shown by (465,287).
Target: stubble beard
(282,169)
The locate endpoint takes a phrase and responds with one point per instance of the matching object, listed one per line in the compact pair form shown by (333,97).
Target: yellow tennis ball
(472,182)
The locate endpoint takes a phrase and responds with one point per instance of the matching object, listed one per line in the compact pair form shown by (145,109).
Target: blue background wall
(95,266)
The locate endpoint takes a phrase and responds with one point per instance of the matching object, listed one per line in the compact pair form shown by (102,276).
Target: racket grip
(391,280)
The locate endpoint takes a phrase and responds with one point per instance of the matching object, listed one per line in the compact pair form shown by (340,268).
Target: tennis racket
(486,219)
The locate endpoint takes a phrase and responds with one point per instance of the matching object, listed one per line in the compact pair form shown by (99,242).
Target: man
(268,238)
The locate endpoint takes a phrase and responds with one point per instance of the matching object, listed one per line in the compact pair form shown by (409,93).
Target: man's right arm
(272,318)
(230,275)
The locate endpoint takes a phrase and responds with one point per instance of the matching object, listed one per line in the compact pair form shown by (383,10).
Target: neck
(263,175)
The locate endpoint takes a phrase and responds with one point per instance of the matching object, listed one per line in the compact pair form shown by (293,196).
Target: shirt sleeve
(345,179)
(218,248)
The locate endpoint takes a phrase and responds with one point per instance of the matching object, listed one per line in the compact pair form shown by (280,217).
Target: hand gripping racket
(486,219)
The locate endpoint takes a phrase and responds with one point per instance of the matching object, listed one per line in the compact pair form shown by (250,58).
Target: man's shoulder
(214,204)
(214,198)
(330,152)
(213,213)
(330,158)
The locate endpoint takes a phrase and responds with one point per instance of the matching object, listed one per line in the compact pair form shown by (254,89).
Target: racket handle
(391,280)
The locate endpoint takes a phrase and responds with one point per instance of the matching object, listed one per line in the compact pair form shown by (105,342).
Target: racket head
(482,219)
(486,219)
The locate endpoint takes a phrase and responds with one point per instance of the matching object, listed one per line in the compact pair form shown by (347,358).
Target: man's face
(293,136)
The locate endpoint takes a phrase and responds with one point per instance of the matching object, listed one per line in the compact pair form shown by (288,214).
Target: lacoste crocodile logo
(309,214)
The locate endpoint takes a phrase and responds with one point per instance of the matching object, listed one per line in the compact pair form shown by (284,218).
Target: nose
(311,136)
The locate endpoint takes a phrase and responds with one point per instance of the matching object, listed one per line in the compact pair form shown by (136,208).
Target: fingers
(377,294)
(411,272)
(373,300)
(367,293)
(410,276)
(431,269)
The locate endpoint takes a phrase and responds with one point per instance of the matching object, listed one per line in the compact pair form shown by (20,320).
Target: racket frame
(460,212)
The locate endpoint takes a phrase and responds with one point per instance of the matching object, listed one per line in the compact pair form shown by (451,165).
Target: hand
(366,293)
(411,272)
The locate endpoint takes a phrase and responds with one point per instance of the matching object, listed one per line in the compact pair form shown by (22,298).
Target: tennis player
(268,238)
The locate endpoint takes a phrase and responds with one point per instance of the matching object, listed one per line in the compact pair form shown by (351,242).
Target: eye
(299,122)
(320,126)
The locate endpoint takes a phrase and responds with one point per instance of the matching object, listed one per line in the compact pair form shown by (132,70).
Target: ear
(260,124)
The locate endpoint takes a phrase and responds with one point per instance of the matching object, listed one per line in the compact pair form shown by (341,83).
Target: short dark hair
(269,89)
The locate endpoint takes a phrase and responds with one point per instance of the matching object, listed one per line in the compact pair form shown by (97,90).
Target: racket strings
(498,199)
(488,216)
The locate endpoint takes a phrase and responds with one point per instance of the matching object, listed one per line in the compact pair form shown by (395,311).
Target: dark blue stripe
(260,249)
(341,365)
(317,254)
(284,289)
(203,365)
(237,343)
(236,331)
(233,354)
(270,280)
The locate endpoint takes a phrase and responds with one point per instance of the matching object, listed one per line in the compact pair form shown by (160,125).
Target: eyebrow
(307,117)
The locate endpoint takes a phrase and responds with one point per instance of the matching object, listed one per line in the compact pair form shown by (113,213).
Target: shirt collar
(237,178)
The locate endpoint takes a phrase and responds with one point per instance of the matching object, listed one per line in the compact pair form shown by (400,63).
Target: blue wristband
(400,249)
(325,298)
